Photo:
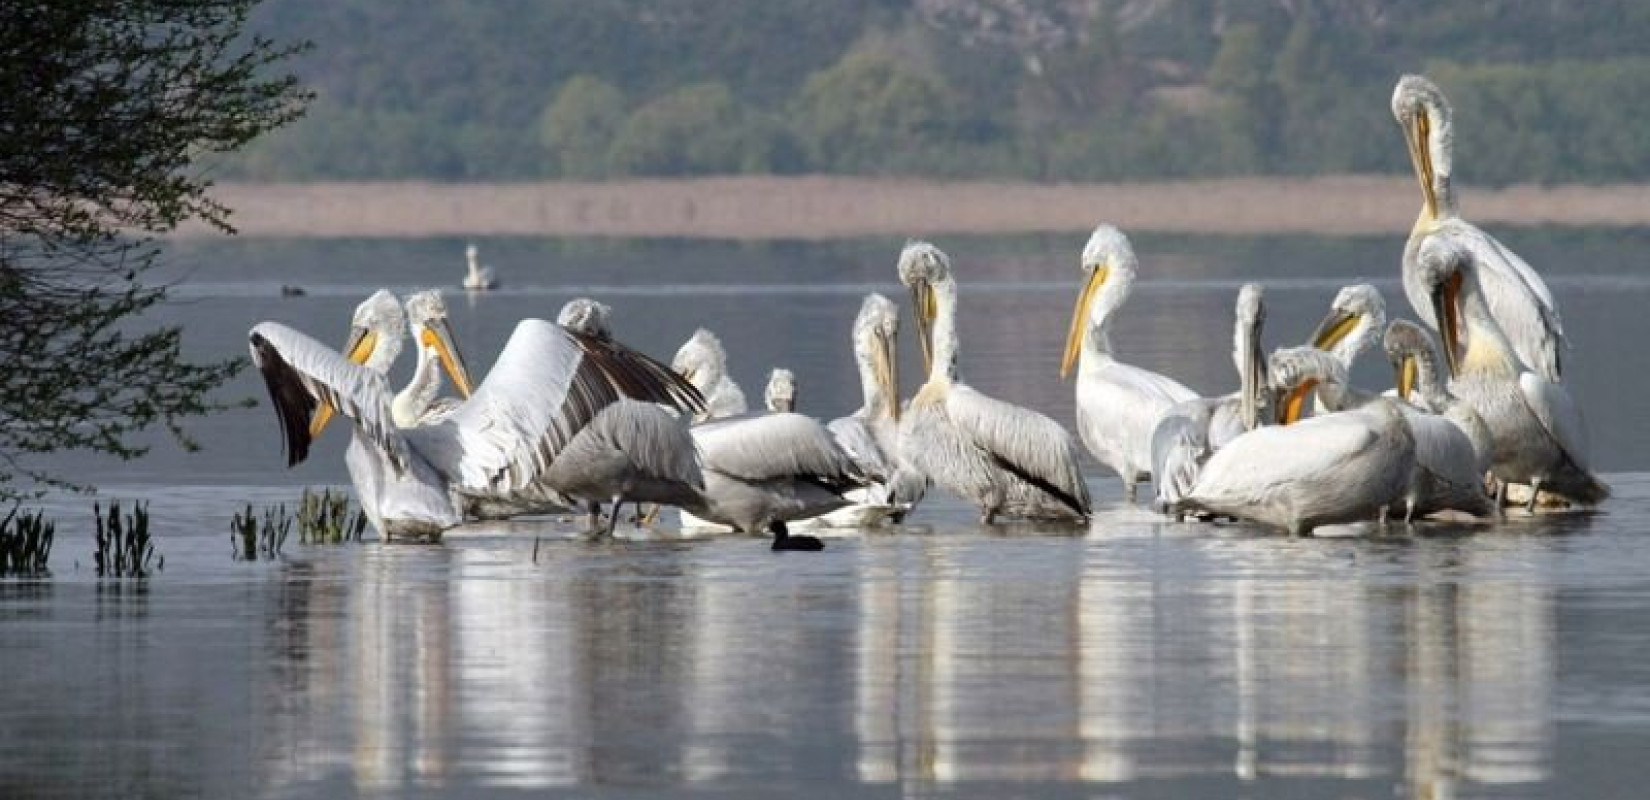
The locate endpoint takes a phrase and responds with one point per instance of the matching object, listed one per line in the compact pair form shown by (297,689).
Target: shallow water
(1136,658)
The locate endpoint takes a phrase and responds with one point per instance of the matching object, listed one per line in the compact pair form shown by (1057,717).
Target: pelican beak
(926,308)
(438,336)
(1253,381)
(362,341)
(1420,155)
(886,369)
(1080,317)
(1446,308)
(1407,372)
(1335,327)
(1295,402)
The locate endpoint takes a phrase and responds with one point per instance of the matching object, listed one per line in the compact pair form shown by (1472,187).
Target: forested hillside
(1048,90)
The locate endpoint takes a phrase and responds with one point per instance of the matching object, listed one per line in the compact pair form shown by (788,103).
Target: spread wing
(302,373)
(548,383)
(860,443)
(1024,442)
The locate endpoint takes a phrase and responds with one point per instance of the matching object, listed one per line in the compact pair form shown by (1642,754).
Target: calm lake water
(1137,659)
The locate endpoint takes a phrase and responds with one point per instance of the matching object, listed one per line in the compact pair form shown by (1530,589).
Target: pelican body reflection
(919,662)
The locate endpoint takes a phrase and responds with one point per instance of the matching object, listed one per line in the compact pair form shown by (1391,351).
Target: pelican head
(1109,262)
(1442,267)
(701,360)
(922,268)
(876,330)
(1246,352)
(586,316)
(427,314)
(1411,353)
(781,392)
(1423,112)
(1355,319)
(1297,371)
(375,334)
(470,253)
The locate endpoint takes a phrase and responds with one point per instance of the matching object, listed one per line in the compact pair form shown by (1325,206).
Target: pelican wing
(860,443)
(1024,442)
(1259,465)
(301,373)
(544,388)
(636,375)
(1558,414)
(772,446)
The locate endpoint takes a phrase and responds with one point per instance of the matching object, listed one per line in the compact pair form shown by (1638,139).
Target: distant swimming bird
(703,362)
(1118,405)
(1514,295)
(1538,432)
(478,278)
(781,392)
(1006,459)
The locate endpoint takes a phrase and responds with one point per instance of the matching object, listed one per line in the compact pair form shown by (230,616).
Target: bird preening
(570,419)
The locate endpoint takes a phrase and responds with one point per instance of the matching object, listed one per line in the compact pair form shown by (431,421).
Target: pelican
(547,384)
(765,470)
(1538,434)
(870,435)
(1335,468)
(1355,322)
(630,451)
(421,402)
(704,363)
(1118,404)
(1192,430)
(781,392)
(1514,295)
(478,278)
(1452,443)
(377,328)
(1004,458)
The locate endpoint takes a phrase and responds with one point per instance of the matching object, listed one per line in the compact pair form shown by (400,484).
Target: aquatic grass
(25,543)
(124,547)
(327,518)
(250,534)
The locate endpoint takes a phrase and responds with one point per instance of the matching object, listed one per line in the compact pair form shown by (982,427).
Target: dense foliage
(106,110)
(1042,89)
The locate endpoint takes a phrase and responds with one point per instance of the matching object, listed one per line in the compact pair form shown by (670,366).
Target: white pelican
(1514,294)
(765,470)
(1118,404)
(1538,433)
(421,401)
(546,385)
(1355,322)
(1192,430)
(1004,458)
(631,451)
(781,392)
(478,278)
(1453,446)
(1447,473)
(870,435)
(376,332)
(1330,469)
(704,363)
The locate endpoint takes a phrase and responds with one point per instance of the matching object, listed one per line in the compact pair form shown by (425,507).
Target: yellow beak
(886,369)
(1080,317)
(437,335)
(1295,403)
(1420,155)
(362,342)
(926,309)
(1407,372)
(1335,327)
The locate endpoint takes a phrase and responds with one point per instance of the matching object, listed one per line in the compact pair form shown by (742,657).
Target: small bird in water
(479,278)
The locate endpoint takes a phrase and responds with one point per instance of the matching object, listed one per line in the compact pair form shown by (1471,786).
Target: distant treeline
(1048,90)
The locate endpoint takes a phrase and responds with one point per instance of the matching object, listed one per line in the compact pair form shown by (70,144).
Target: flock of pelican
(569,418)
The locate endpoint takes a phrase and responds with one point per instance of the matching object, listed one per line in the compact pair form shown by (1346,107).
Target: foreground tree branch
(106,111)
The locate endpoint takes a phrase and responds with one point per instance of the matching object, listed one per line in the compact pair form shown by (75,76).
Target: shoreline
(819,207)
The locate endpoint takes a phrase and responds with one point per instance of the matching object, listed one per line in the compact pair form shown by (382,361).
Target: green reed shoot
(25,543)
(124,547)
(250,534)
(327,518)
